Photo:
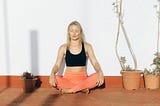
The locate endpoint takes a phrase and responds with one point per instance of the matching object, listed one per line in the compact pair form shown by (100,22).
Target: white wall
(32,30)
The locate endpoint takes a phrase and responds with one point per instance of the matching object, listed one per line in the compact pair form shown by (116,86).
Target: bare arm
(95,63)
(93,59)
(60,55)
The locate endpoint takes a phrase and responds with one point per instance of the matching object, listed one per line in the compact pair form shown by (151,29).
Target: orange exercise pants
(77,81)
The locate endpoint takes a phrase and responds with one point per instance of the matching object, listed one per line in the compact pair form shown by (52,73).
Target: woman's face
(74,32)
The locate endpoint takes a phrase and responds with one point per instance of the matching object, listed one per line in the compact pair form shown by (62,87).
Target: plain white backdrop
(31,32)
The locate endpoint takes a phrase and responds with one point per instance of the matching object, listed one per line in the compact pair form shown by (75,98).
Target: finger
(100,83)
(97,83)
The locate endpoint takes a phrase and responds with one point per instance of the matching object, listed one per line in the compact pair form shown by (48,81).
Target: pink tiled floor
(98,97)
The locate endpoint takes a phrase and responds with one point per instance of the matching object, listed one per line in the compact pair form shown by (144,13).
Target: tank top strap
(83,48)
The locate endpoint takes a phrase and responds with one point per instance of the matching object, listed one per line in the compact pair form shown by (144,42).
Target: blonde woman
(76,52)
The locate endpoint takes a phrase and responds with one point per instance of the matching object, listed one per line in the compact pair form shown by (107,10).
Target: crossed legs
(73,82)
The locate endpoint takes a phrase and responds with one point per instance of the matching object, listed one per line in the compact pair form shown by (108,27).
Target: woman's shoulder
(87,45)
(63,46)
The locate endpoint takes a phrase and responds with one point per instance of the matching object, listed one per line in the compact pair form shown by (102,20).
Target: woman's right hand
(52,81)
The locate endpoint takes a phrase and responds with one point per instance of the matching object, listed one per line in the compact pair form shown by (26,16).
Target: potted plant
(28,81)
(130,76)
(151,76)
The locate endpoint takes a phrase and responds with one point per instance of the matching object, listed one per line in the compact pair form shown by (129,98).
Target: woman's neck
(75,43)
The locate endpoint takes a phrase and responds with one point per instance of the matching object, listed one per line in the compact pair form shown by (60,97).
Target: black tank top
(76,59)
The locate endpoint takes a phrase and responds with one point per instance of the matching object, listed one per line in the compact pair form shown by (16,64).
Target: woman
(76,52)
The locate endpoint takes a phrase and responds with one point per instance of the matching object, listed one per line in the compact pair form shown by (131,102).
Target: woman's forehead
(74,27)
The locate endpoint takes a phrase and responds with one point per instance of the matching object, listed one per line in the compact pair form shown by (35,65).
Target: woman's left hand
(100,79)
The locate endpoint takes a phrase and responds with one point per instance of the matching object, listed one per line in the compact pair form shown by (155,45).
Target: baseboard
(15,81)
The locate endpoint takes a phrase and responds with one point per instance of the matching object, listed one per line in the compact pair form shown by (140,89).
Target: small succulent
(124,66)
(156,60)
(27,75)
(156,63)
(151,72)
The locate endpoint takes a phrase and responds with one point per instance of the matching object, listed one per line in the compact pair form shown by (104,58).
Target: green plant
(27,75)
(124,66)
(156,64)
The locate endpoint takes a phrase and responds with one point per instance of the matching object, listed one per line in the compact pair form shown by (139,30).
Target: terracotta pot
(28,85)
(151,81)
(131,79)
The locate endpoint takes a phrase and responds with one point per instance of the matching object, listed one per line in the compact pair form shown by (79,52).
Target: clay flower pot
(28,82)
(131,79)
(151,81)
(28,85)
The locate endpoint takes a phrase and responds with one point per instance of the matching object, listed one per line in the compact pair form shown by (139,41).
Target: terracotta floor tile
(98,97)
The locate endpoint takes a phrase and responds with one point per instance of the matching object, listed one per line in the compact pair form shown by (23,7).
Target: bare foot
(86,91)
(66,91)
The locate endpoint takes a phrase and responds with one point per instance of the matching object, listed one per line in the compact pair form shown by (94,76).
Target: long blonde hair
(82,37)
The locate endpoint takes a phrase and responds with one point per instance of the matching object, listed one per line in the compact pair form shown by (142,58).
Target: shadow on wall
(34,52)
(34,56)
(34,45)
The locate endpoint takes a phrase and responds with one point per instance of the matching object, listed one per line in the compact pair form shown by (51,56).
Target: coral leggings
(77,81)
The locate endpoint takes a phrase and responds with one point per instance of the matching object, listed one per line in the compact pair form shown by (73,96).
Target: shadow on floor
(49,101)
